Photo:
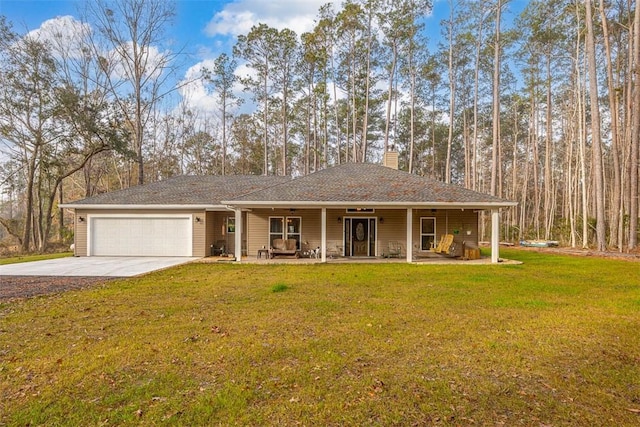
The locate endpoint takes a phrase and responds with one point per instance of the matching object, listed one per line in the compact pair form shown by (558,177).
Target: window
(427,233)
(231,224)
(360,210)
(276,229)
(292,230)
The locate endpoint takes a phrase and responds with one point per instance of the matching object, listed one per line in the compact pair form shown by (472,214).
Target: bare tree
(452,89)
(596,137)
(635,142)
(131,35)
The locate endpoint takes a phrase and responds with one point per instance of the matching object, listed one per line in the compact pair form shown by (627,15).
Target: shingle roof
(348,184)
(185,190)
(366,183)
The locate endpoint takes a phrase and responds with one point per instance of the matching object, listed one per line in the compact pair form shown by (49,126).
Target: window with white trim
(285,227)
(231,224)
(427,233)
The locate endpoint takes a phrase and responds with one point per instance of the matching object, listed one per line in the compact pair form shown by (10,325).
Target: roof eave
(379,205)
(141,207)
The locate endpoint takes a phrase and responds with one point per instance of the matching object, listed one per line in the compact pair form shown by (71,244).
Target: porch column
(323,234)
(495,235)
(238,236)
(409,233)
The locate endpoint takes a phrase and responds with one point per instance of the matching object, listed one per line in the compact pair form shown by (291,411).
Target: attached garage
(140,235)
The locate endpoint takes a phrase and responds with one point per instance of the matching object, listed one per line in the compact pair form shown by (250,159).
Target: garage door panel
(141,236)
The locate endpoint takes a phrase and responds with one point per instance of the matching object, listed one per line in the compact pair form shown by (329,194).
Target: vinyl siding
(454,221)
(256,227)
(199,229)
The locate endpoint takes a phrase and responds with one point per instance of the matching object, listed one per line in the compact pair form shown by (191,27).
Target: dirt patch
(16,287)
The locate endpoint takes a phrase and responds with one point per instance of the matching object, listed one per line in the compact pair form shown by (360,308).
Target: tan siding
(454,221)
(80,235)
(311,228)
(209,232)
(335,231)
(256,227)
(393,228)
(258,230)
(199,230)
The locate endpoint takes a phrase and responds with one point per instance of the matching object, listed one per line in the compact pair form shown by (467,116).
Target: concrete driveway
(92,266)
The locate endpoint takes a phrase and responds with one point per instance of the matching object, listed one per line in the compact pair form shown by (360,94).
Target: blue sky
(207,28)
(202,25)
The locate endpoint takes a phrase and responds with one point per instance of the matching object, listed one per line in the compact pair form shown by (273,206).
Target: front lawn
(555,341)
(34,257)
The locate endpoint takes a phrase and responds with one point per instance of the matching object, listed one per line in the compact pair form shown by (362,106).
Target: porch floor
(424,260)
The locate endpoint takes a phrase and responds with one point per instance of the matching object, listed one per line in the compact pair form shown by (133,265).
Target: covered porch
(361,210)
(334,234)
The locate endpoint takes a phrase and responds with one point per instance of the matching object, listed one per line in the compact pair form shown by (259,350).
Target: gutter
(141,207)
(378,205)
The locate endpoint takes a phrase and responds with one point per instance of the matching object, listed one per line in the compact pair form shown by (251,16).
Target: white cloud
(194,91)
(239,16)
(154,60)
(65,34)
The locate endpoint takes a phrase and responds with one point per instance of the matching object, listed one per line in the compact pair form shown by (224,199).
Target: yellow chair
(446,245)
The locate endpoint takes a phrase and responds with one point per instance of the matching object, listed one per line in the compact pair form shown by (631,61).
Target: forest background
(542,109)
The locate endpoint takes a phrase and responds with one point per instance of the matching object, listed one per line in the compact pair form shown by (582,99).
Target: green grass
(554,341)
(36,257)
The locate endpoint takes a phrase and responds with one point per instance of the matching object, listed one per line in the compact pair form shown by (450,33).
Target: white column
(238,234)
(409,234)
(323,234)
(495,235)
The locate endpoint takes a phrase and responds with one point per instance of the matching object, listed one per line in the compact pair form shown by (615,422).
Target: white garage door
(140,236)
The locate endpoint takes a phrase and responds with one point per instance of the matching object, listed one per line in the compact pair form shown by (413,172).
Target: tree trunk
(390,96)
(31,173)
(496,104)
(266,121)
(365,119)
(476,73)
(452,96)
(548,181)
(635,141)
(617,210)
(224,135)
(598,176)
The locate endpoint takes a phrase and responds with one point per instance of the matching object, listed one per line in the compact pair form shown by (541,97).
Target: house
(351,210)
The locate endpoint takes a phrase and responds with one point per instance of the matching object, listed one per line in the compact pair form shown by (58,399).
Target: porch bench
(286,247)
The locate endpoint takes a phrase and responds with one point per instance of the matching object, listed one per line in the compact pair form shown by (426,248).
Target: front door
(359,237)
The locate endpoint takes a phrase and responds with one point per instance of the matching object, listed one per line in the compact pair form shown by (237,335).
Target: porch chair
(395,249)
(218,248)
(446,245)
(334,249)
